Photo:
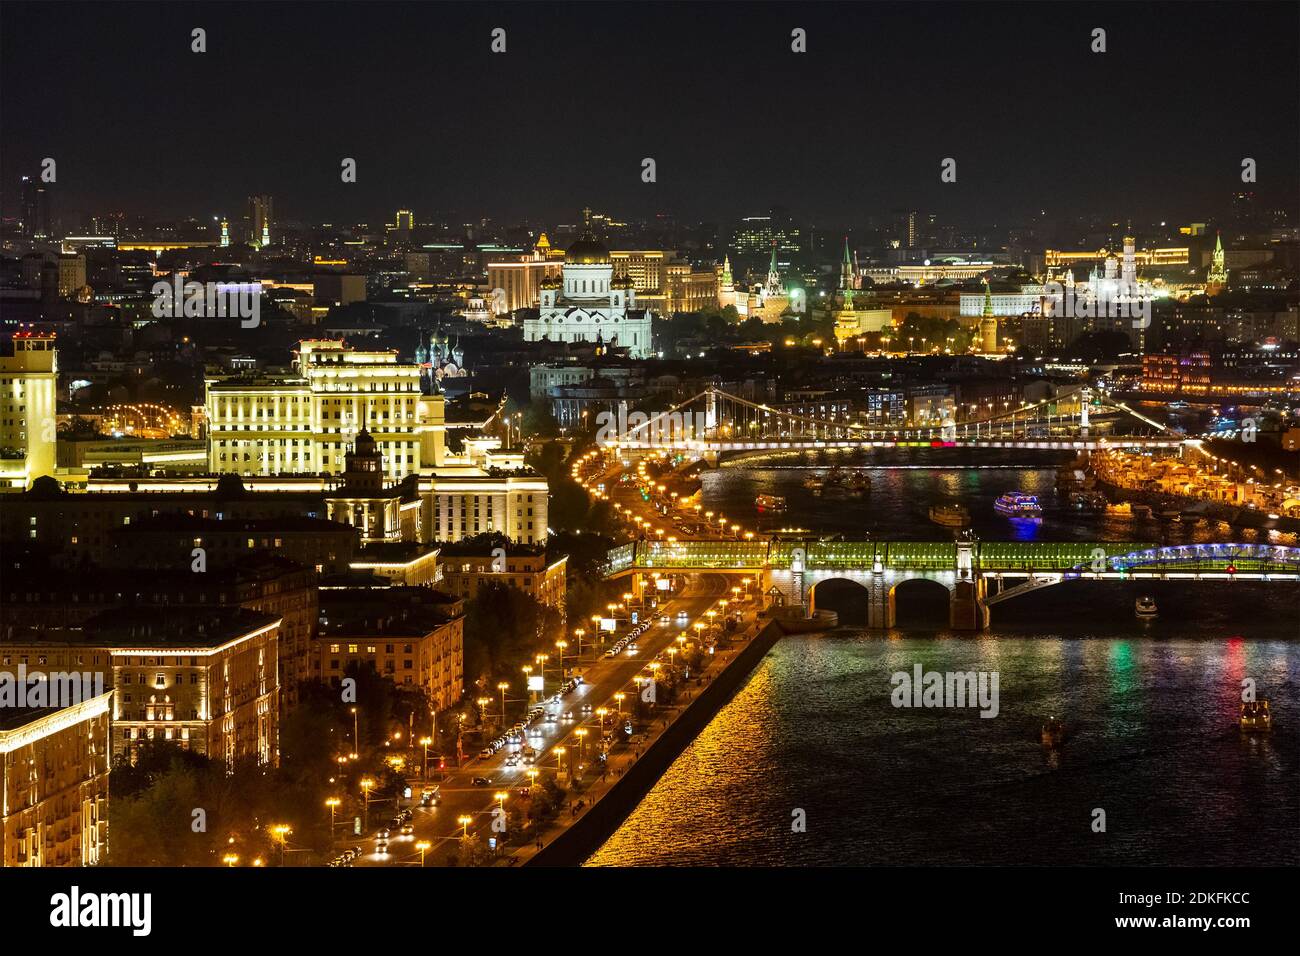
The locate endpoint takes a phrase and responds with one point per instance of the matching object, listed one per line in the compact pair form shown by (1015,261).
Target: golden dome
(587,251)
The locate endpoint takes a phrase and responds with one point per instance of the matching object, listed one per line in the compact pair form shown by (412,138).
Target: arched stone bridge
(977,574)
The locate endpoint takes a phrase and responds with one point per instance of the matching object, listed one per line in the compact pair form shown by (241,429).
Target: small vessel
(858,483)
(814,484)
(1120,508)
(1255,715)
(1170,514)
(1145,607)
(1088,501)
(1015,505)
(950,515)
(1053,734)
(1142,511)
(769,503)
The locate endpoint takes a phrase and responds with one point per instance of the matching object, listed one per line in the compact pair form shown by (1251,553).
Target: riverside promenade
(635,767)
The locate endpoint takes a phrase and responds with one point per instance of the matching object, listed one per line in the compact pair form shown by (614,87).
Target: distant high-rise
(911,230)
(260,216)
(36,209)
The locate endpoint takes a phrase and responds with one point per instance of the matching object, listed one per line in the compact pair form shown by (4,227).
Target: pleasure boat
(1255,715)
(951,515)
(1015,505)
(1145,607)
(769,503)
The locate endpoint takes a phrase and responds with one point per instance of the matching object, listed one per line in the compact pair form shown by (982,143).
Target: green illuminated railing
(990,556)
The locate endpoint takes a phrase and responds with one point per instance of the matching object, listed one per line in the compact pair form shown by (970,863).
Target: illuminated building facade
(203,678)
(463,573)
(28,397)
(413,635)
(306,423)
(588,303)
(517,283)
(54,766)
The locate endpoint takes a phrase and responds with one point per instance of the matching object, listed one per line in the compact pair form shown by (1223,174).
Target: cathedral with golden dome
(588,303)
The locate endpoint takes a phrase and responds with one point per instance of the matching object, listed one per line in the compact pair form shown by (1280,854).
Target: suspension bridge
(715,421)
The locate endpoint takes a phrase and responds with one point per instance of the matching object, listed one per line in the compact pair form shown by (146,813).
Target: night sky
(857,126)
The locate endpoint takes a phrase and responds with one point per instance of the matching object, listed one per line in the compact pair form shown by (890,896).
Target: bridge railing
(1050,555)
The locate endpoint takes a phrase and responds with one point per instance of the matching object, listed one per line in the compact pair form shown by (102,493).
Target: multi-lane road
(602,679)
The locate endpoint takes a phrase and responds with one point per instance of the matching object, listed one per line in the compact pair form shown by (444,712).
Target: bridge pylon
(967,610)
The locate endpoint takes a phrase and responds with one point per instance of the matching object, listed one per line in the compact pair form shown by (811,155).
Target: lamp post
(464,822)
(503,687)
(424,742)
(528,673)
(356,744)
(618,699)
(561,646)
(332,803)
(422,846)
(366,785)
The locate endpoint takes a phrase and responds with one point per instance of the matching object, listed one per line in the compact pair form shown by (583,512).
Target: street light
(464,822)
(424,742)
(619,698)
(332,803)
(366,785)
(422,846)
(561,646)
(503,687)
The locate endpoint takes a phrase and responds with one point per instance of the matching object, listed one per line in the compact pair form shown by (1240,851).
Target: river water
(1150,710)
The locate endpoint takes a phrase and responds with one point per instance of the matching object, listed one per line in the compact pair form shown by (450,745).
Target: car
(407,829)
(431,797)
(481,781)
(512,760)
(382,834)
(381,846)
(485,753)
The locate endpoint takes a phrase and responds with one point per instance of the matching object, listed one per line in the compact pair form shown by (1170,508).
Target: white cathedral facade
(588,304)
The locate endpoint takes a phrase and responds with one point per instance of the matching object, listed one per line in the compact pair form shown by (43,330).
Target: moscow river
(1149,707)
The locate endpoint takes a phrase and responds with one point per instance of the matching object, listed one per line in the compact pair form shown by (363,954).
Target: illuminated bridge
(977,574)
(715,422)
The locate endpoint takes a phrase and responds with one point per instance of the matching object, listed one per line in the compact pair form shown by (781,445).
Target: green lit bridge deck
(990,558)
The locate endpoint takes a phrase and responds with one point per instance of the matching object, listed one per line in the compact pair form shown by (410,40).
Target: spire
(846,268)
(1218,275)
(988,298)
(773,286)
